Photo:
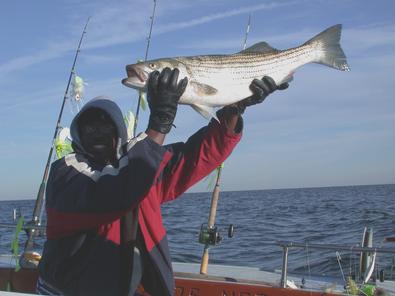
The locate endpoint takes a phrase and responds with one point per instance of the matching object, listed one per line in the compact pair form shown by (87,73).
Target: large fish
(219,80)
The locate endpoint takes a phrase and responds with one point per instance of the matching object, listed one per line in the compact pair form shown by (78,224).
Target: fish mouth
(137,77)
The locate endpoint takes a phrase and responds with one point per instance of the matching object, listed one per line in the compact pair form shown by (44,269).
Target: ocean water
(331,215)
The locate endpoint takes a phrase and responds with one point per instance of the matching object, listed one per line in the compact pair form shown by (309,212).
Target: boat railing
(286,245)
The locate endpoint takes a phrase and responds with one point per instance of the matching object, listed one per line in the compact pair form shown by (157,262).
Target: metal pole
(283,282)
(289,244)
(41,192)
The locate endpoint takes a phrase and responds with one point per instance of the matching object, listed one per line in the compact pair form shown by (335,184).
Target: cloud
(24,62)
(368,37)
(356,40)
(349,157)
(95,59)
(41,96)
(115,25)
(217,16)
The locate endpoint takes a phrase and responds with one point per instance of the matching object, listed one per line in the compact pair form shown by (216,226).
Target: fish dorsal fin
(261,47)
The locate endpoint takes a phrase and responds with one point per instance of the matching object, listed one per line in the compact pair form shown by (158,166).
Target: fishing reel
(211,236)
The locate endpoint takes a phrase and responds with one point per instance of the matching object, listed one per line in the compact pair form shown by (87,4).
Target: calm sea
(331,215)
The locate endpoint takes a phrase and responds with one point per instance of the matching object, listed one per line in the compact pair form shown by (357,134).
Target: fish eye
(152,65)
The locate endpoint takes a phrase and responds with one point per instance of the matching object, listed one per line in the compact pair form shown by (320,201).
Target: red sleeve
(80,197)
(195,159)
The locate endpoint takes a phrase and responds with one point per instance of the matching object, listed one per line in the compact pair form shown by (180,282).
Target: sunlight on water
(332,215)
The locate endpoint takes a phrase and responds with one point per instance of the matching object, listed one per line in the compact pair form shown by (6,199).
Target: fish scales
(253,61)
(219,80)
(257,63)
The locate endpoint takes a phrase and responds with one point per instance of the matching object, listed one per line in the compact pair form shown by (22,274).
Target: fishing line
(341,269)
(308,263)
(338,258)
(352,261)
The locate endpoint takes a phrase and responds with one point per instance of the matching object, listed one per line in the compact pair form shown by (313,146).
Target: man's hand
(261,88)
(163,95)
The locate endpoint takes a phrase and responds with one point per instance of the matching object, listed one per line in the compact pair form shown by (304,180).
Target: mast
(41,192)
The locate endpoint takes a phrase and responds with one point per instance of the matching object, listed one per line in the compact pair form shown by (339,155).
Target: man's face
(98,135)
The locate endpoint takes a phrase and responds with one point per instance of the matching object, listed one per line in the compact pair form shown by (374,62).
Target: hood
(111,108)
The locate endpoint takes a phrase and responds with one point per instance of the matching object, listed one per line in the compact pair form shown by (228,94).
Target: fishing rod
(211,223)
(129,223)
(152,17)
(247,31)
(41,192)
(26,227)
(210,235)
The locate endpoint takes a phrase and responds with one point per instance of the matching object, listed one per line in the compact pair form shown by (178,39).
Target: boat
(225,280)
(19,273)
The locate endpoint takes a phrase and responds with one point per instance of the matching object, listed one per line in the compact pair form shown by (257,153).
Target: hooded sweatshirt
(85,202)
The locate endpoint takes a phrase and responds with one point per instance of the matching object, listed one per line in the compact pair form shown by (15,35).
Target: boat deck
(254,275)
(233,278)
(257,276)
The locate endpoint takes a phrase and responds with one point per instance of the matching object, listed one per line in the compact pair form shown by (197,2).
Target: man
(89,191)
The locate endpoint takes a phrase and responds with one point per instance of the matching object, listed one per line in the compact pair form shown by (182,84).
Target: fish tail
(327,45)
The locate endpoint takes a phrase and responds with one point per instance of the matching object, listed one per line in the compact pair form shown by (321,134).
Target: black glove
(163,96)
(261,89)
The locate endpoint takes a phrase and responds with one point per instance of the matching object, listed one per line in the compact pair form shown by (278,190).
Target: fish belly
(232,81)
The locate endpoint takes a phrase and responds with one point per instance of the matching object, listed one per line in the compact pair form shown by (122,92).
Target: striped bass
(220,80)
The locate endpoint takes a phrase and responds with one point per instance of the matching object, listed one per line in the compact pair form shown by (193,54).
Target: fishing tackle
(129,223)
(37,213)
(207,235)
(211,235)
(77,93)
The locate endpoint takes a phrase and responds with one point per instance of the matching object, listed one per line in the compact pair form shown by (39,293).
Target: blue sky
(329,128)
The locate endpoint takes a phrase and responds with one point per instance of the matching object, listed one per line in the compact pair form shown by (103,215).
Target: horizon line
(267,189)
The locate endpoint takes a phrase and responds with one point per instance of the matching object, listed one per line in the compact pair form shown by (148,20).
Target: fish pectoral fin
(203,89)
(288,78)
(206,111)
(261,47)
